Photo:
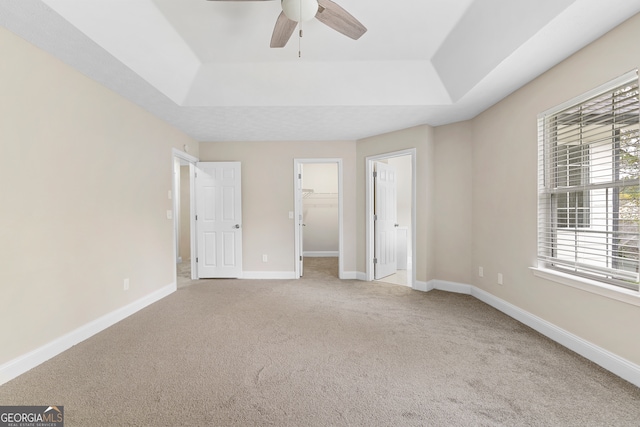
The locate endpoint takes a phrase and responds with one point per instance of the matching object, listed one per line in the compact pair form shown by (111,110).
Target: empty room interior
(391,171)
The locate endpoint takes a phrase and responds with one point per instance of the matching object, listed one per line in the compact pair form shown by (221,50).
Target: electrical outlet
(264,258)
(480,271)
(499,278)
(126,284)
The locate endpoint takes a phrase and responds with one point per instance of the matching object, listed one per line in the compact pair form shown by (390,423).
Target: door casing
(181,155)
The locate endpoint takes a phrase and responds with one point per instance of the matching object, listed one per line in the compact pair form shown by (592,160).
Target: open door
(300,219)
(385,220)
(218,219)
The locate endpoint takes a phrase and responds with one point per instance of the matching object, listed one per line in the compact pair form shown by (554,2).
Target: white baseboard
(422,286)
(608,360)
(287,275)
(349,275)
(458,288)
(24,363)
(321,254)
(274,275)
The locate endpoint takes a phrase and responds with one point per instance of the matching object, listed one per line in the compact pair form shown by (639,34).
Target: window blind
(589,184)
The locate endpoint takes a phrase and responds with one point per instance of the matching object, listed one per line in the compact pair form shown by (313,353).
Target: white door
(300,219)
(385,217)
(218,219)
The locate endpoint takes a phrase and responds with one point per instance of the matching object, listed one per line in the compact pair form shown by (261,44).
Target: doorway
(404,164)
(317,213)
(183,197)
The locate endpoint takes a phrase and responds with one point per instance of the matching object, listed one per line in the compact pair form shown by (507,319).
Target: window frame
(549,192)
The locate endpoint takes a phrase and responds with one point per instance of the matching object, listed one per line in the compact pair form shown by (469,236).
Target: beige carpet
(323,352)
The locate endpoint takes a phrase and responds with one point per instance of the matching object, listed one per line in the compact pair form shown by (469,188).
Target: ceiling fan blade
(334,16)
(282,31)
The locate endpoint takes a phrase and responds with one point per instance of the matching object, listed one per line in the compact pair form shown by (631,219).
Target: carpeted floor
(321,352)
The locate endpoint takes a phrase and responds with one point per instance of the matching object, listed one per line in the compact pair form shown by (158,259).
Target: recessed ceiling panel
(135,32)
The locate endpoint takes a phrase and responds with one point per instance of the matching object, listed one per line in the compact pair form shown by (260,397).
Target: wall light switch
(290,214)
(480,271)
(169,195)
(499,278)
(169,214)
(126,284)
(264,258)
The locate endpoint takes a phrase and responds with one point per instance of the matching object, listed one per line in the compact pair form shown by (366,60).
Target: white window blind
(589,184)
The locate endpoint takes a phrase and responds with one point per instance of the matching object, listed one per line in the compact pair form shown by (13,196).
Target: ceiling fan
(326,11)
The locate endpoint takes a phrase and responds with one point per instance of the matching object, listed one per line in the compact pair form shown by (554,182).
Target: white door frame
(369,250)
(181,155)
(297,201)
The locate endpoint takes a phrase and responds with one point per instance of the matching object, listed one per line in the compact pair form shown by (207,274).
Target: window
(589,185)
(573,172)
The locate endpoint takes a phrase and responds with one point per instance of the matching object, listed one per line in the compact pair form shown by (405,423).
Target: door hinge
(196,217)
(300,257)
(375,217)
(196,259)
(299,176)
(375,174)
(375,260)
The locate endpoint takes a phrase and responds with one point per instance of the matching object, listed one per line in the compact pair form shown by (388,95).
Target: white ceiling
(206,67)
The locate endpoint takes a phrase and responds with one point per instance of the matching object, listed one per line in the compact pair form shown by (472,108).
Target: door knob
(237,226)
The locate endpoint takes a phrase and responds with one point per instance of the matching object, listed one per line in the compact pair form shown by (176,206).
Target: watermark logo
(31,416)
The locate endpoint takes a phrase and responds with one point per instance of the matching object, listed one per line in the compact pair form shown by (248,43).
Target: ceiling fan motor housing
(300,10)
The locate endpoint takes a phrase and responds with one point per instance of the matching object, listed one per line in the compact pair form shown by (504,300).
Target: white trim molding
(350,275)
(269,275)
(621,367)
(419,285)
(361,275)
(321,254)
(26,362)
(599,288)
(454,287)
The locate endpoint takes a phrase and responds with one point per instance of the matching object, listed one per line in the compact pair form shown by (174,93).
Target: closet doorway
(318,213)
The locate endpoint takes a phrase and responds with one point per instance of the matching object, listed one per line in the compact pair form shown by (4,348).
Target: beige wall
(505,197)
(453,202)
(267,197)
(422,139)
(85,176)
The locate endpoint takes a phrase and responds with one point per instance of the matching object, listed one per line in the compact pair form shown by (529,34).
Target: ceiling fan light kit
(300,10)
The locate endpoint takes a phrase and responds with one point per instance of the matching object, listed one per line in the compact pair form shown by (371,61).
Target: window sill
(609,291)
